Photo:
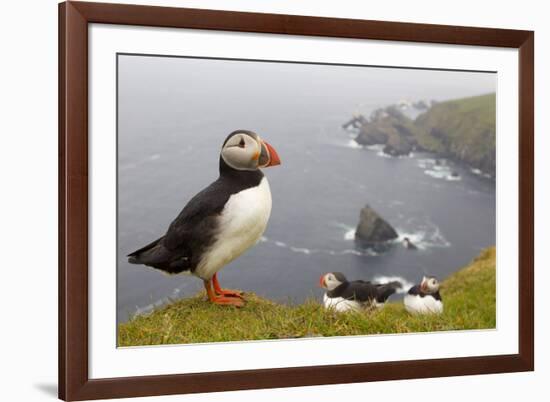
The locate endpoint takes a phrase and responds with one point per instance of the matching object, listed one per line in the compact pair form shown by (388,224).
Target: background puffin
(222,221)
(424,298)
(343,295)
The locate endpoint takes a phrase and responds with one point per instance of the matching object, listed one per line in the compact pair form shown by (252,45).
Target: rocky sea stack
(373,229)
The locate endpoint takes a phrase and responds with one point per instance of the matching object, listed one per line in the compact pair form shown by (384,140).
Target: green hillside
(463,129)
(469,296)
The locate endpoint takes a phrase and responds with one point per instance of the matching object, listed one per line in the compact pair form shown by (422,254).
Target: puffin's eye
(241,143)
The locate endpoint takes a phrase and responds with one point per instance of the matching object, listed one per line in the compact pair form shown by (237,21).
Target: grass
(469,296)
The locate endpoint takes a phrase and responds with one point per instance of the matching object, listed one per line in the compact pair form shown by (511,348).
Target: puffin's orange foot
(225,292)
(230,293)
(227,301)
(221,300)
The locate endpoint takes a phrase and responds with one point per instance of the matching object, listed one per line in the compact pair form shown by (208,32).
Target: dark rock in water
(372,229)
(356,122)
(372,134)
(408,244)
(389,127)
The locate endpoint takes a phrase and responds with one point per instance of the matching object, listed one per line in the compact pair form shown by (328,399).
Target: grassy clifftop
(469,296)
(463,128)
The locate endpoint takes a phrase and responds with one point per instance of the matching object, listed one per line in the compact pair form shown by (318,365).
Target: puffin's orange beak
(272,154)
(322,281)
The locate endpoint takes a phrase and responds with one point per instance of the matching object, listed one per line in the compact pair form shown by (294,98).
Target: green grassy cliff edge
(469,296)
(463,129)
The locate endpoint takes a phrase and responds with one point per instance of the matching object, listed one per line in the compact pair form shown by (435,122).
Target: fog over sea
(174,114)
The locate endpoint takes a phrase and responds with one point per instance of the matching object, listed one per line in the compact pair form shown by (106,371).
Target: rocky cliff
(463,130)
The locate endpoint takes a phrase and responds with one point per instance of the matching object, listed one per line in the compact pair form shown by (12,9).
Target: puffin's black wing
(156,255)
(181,248)
(360,291)
(364,291)
(437,296)
(386,290)
(416,291)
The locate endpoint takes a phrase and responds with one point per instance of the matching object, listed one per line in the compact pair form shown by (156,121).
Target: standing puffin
(424,298)
(343,295)
(222,221)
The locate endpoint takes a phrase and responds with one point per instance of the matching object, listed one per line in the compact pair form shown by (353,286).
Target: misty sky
(249,93)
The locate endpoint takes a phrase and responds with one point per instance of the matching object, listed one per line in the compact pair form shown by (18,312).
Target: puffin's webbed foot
(227,301)
(229,293)
(225,292)
(222,300)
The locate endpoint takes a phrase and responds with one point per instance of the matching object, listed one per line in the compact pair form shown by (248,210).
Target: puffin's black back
(417,291)
(196,227)
(364,291)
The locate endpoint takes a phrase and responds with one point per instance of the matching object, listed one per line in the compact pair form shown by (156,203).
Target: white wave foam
(350,234)
(353,144)
(382,154)
(428,236)
(438,169)
(438,237)
(348,231)
(406,284)
(444,174)
(148,309)
(453,178)
(301,250)
(416,238)
(309,251)
(376,147)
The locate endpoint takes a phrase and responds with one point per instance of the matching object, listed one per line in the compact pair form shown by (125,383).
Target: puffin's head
(429,284)
(332,280)
(245,150)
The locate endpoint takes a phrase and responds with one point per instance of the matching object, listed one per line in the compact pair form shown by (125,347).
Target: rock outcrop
(391,128)
(372,229)
(462,130)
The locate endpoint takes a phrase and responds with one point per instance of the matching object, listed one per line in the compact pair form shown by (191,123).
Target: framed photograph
(260,200)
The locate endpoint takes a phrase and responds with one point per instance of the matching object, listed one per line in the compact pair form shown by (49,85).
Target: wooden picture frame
(74,381)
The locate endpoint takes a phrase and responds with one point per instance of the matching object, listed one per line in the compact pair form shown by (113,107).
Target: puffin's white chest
(415,304)
(340,304)
(241,224)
